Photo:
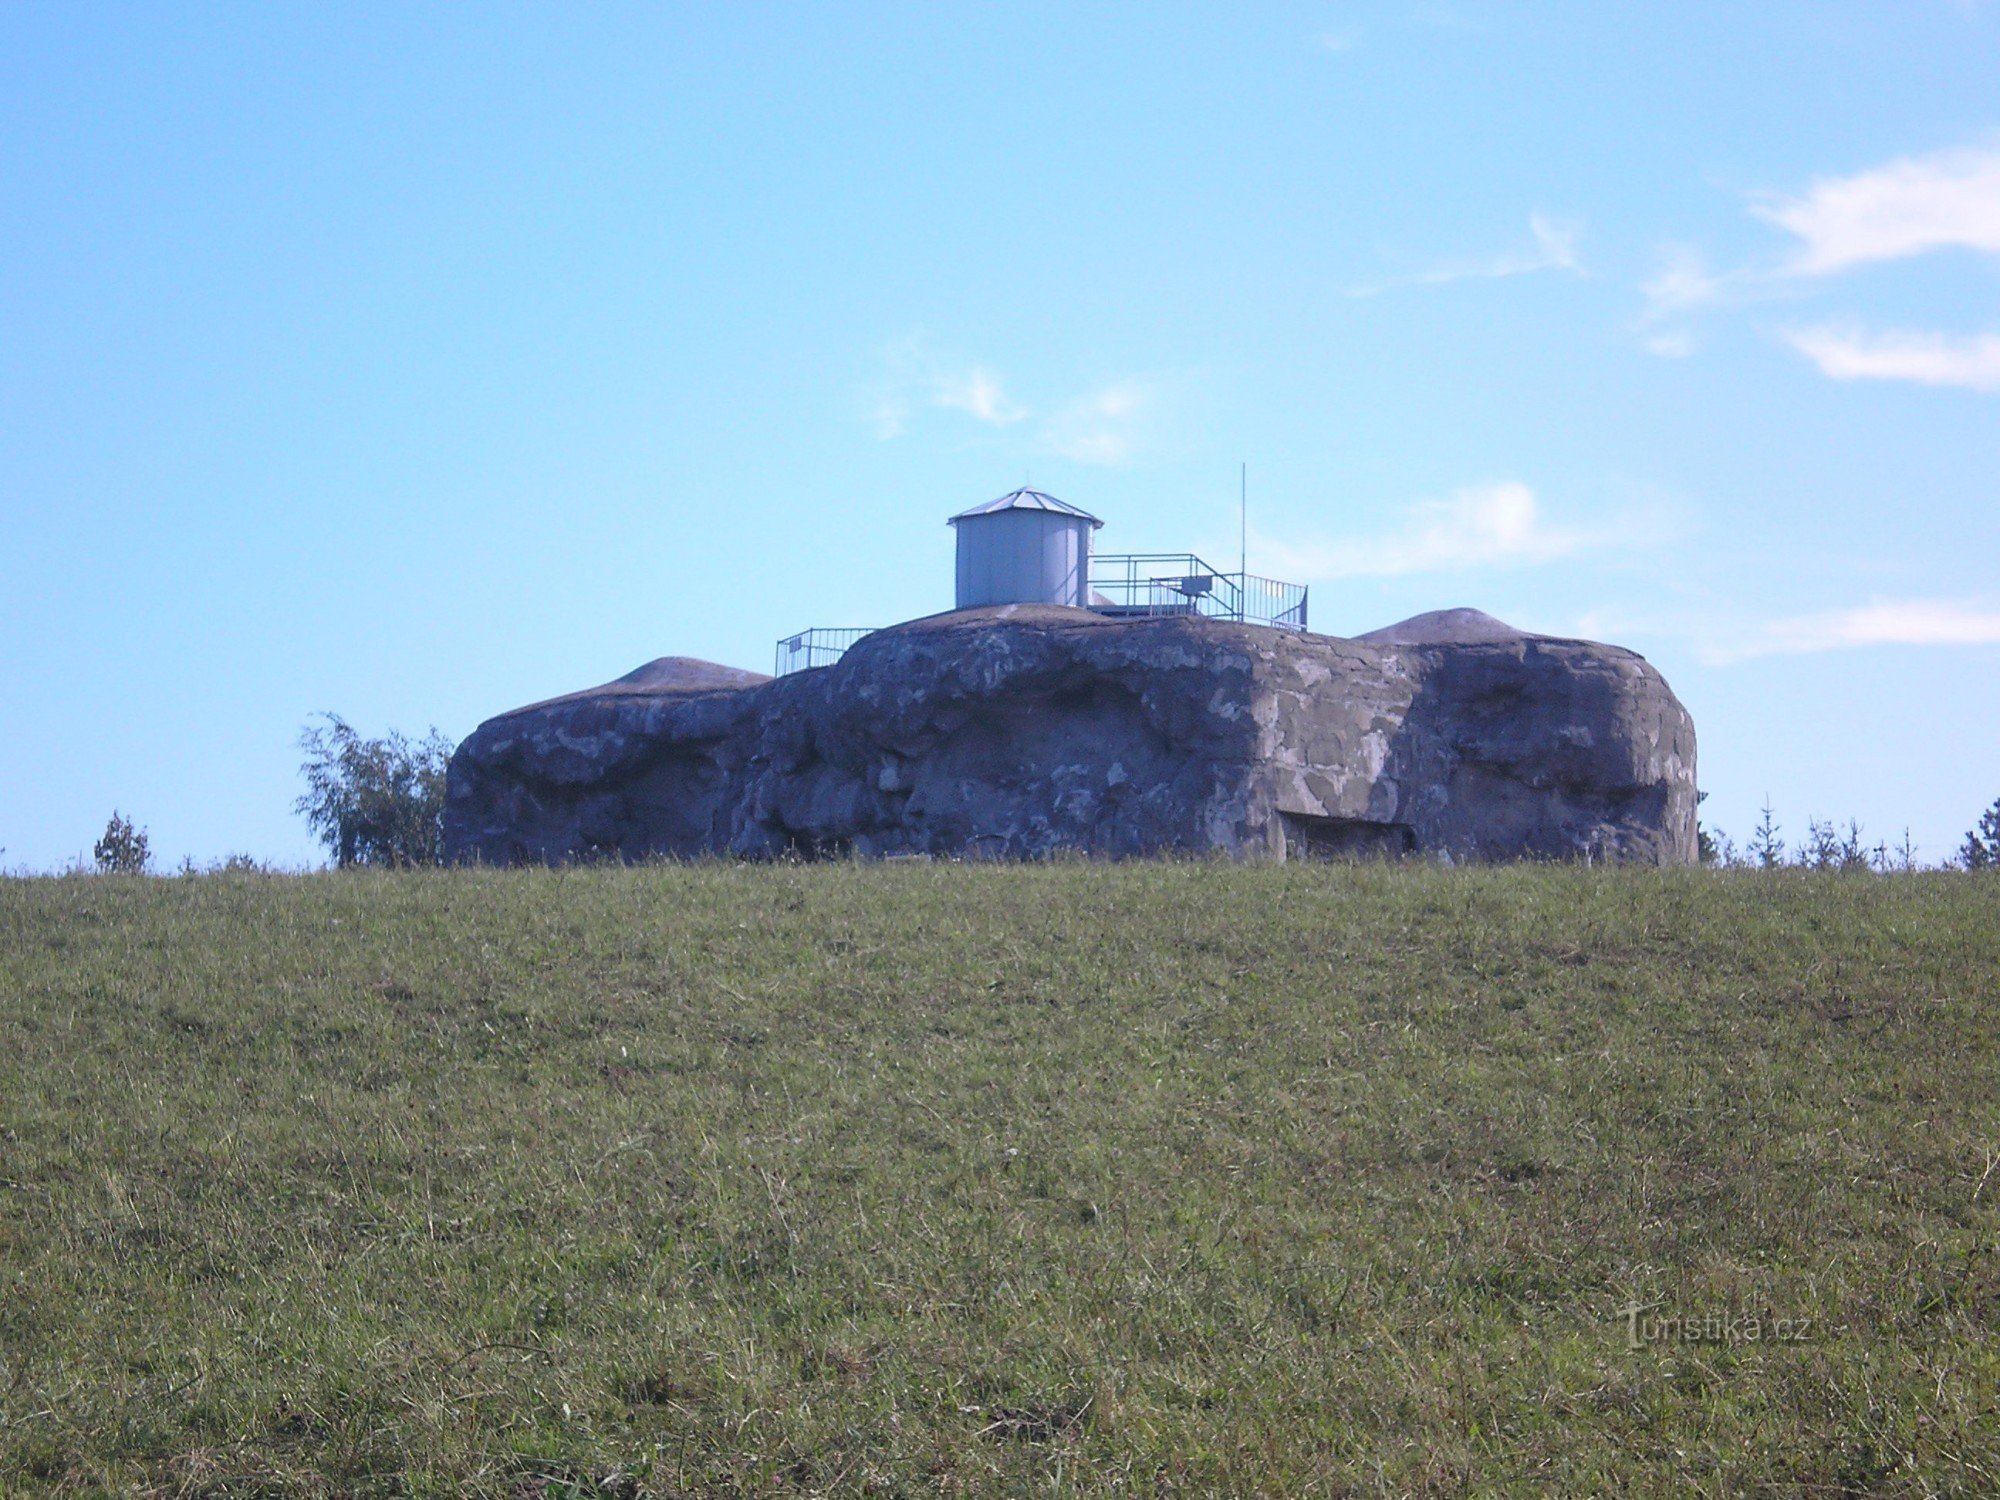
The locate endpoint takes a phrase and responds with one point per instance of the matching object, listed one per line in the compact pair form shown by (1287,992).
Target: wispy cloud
(1683,285)
(916,389)
(1494,525)
(1927,358)
(1945,200)
(1336,41)
(1916,205)
(1898,622)
(977,393)
(910,373)
(1683,282)
(1101,427)
(1555,242)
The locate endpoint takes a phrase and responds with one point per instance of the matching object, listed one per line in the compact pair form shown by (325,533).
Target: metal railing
(1121,583)
(821,646)
(1179,583)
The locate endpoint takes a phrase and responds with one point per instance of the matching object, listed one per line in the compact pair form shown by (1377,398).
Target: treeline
(1828,846)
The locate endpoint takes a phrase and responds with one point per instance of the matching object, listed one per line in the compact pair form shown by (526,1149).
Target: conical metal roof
(1025,500)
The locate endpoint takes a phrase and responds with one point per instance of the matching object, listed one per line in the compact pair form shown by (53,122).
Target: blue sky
(419,362)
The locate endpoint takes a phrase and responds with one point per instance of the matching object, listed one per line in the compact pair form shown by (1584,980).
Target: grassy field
(1181,1179)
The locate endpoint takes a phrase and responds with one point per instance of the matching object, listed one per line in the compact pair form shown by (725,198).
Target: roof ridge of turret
(1026,498)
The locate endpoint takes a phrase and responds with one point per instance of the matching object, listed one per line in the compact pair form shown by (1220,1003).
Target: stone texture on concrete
(1022,730)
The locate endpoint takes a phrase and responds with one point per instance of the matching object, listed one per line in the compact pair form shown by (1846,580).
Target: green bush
(123,850)
(374,802)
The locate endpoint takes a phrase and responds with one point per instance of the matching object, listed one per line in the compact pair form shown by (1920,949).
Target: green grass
(1185,1179)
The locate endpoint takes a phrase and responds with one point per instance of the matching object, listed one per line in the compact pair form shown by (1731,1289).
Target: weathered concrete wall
(1018,731)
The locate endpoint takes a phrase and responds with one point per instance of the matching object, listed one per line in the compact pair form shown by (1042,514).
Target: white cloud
(1556,239)
(1497,525)
(1946,200)
(1102,427)
(1336,41)
(1109,425)
(1684,282)
(1909,207)
(1683,285)
(910,374)
(1555,250)
(1906,622)
(1928,358)
(977,393)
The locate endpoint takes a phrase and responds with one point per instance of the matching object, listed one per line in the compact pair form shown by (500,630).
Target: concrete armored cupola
(1165,705)
(1027,547)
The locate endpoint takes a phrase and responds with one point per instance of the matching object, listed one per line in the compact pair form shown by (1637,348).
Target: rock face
(1021,730)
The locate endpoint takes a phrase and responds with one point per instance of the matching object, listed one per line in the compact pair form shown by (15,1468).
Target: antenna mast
(1243,517)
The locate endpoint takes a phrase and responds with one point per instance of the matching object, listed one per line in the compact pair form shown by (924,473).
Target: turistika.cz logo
(1643,1326)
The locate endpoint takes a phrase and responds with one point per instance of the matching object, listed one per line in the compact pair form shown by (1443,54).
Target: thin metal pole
(1243,536)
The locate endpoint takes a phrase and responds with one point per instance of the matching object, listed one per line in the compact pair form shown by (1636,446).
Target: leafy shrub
(374,802)
(123,850)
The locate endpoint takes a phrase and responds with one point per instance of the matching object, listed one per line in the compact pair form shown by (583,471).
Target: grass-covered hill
(1179,1179)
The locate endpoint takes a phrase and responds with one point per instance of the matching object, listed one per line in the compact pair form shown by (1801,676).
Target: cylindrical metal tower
(1024,548)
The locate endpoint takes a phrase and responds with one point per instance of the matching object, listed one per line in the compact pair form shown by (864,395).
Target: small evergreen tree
(1853,852)
(1765,848)
(1981,849)
(374,802)
(123,850)
(1826,848)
